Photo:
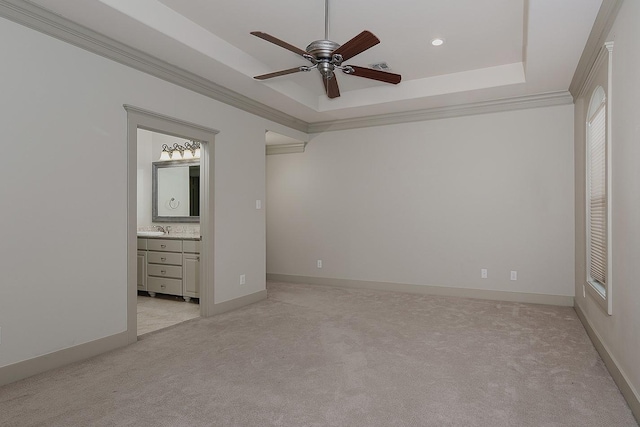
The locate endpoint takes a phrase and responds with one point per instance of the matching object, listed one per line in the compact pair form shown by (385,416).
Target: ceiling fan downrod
(326,19)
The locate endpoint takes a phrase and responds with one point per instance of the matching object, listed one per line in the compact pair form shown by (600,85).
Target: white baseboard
(562,300)
(236,303)
(626,388)
(57,359)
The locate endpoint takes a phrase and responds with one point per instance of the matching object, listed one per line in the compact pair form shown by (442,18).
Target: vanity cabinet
(142,270)
(142,265)
(172,267)
(191,275)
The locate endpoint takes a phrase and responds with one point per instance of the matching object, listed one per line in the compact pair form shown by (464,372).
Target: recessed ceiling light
(437,42)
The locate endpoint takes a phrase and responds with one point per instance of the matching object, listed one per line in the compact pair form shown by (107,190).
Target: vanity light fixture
(176,152)
(166,154)
(188,151)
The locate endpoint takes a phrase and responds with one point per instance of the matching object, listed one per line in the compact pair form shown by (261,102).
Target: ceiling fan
(328,56)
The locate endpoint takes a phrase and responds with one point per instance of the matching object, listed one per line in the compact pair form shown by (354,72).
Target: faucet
(160,228)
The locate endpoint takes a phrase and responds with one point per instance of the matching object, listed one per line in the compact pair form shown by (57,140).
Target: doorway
(168,230)
(196,254)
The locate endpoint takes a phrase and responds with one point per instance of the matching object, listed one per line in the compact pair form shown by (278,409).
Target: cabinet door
(191,275)
(142,270)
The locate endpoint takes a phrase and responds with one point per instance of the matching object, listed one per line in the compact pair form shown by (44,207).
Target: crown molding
(604,22)
(495,106)
(44,21)
(297,147)
(604,55)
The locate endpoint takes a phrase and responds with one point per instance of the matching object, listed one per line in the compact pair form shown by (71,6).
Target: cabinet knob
(197,258)
(163,259)
(163,271)
(163,246)
(162,286)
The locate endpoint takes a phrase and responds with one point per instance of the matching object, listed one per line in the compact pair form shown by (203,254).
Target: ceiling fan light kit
(327,56)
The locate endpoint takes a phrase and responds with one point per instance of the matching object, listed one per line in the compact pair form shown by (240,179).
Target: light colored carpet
(163,311)
(320,356)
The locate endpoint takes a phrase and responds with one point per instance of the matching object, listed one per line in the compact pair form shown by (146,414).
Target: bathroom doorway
(168,230)
(170,221)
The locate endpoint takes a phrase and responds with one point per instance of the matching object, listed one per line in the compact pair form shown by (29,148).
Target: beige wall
(431,203)
(64,191)
(620,333)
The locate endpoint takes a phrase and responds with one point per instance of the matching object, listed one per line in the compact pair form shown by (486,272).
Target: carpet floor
(322,356)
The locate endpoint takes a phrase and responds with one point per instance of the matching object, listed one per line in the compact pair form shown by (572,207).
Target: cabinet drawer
(142,244)
(164,258)
(191,246)
(164,286)
(164,245)
(164,271)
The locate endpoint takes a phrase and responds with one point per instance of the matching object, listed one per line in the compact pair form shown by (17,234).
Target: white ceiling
(494,49)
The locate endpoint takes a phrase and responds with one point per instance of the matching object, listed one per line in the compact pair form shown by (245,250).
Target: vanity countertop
(173,236)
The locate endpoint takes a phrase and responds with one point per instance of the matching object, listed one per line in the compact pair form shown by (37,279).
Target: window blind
(598,196)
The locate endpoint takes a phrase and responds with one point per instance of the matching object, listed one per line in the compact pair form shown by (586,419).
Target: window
(597,199)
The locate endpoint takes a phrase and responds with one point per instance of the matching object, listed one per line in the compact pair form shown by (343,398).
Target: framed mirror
(176,191)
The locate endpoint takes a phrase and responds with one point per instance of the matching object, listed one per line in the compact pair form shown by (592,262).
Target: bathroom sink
(150,233)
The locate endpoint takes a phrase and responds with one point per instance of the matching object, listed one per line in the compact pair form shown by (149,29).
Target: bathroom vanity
(169,265)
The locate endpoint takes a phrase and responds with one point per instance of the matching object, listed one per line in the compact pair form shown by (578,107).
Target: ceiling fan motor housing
(322,51)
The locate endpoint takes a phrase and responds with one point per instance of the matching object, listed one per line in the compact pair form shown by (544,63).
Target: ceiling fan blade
(278,73)
(356,45)
(369,73)
(276,41)
(331,87)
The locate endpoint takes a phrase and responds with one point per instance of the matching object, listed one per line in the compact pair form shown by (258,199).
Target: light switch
(258,204)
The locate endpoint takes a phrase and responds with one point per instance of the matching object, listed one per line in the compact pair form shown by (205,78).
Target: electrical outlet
(514,275)
(258,204)
(483,273)
(243,279)
(0,335)
(319,263)
(584,292)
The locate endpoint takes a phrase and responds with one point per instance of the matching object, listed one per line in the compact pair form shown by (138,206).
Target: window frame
(602,294)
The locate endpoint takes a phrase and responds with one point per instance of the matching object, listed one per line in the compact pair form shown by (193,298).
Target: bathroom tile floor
(163,311)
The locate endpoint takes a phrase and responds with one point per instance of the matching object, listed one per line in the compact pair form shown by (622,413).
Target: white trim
(296,147)
(609,47)
(40,19)
(561,300)
(604,22)
(140,118)
(494,106)
(57,359)
(239,302)
(603,299)
(629,392)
